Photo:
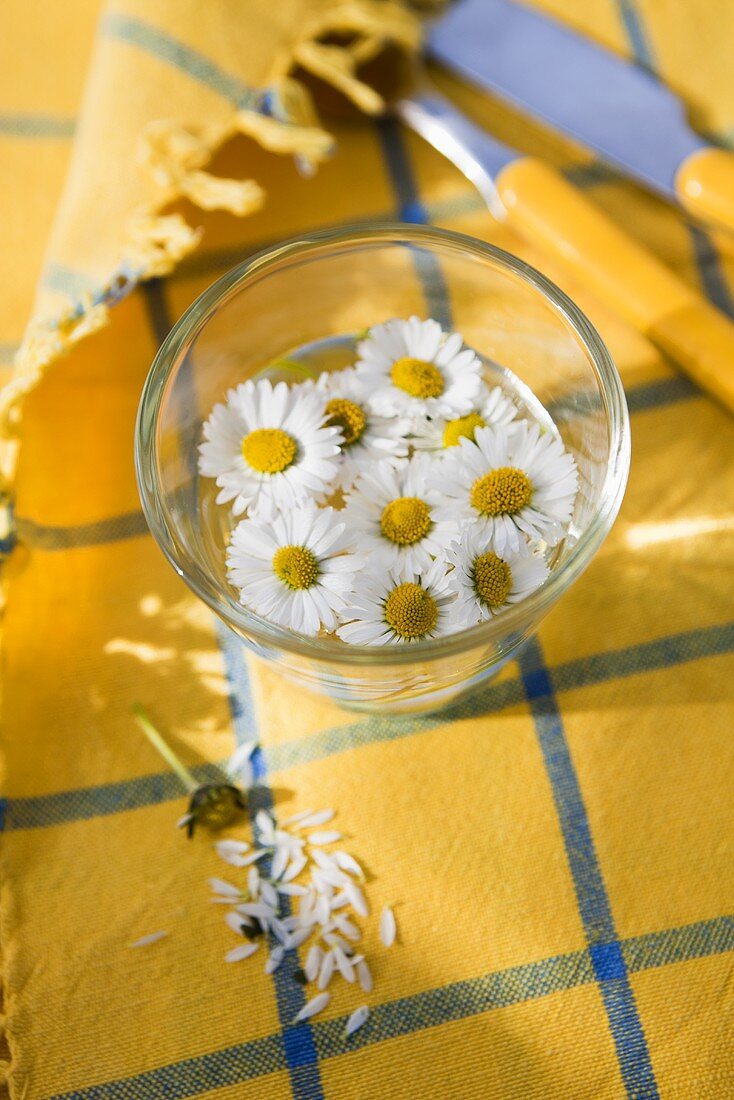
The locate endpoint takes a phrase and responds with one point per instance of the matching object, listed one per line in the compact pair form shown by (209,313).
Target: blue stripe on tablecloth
(301,1056)
(42,811)
(607,959)
(638,39)
(409,1015)
(412,209)
(300,1053)
(163,46)
(29,125)
(711,270)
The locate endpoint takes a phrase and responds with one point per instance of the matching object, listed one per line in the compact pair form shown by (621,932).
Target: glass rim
(186,330)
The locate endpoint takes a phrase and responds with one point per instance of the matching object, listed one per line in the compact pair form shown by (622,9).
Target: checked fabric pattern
(559,849)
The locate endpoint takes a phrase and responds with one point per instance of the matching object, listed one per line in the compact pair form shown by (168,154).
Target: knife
(604,101)
(542,205)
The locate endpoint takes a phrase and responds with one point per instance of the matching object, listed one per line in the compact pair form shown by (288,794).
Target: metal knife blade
(548,70)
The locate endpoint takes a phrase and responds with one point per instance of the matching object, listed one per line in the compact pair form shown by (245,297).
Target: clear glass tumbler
(335,284)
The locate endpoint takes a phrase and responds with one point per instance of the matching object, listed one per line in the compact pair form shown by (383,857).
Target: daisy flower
(367,437)
(410,368)
(484,582)
(390,515)
(393,607)
(293,569)
(509,484)
(268,447)
(441,433)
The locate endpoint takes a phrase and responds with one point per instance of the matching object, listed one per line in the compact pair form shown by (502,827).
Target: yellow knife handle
(705,186)
(543,206)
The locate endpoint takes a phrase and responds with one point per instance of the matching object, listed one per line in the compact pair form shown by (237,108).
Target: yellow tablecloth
(560,849)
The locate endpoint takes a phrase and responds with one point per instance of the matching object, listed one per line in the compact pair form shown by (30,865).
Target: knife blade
(540,204)
(603,101)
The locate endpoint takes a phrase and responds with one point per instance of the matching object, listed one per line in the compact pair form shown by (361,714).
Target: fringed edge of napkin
(282,119)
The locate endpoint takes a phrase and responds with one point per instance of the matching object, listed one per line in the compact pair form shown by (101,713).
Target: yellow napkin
(559,850)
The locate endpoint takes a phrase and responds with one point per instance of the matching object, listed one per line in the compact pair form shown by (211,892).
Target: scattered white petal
(152,937)
(295,818)
(348,863)
(184,821)
(236,922)
(266,825)
(297,938)
(347,928)
(327,969)
(292,889)
(253,857)
(359,1017)
(232,851)
(279,931)
(328,836)
(256,909)
(339,901)
(345,967)
(225,889)
(311,821)
(238,764)
(294,868)
(357,899)
(311,1008)
(365,976)
(275,958)
(243,951)
(269,894)
(312,965)
(388,927)
(253,882)
(280,862)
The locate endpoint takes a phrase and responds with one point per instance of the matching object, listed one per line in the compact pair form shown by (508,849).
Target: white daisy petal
(145,941)
(290,582)
(261,472)
(275,958)
(364,976)
(408,368)
(511,484)
(440,434)
(311,1008)
(487,583)
(399,607)
(243,951)
(388,927)
(357,1020)
(392,519)
(232,851)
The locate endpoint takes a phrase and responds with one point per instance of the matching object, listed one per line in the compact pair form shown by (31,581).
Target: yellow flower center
(463,427)
(492,579)
(269,450)
(501,492)
(405,521)
(416,377)
(295,566)
(347,417)
(411,611)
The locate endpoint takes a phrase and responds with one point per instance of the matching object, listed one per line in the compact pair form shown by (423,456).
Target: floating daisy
(393,608)
(293,569)
(390,515)
(486,583)
(411,368)
(367,437)
(509,484)
(268,447)
(441,433)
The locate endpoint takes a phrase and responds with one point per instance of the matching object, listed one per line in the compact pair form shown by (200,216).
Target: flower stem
(163,748)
